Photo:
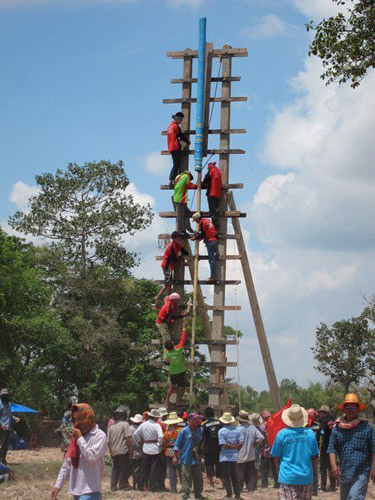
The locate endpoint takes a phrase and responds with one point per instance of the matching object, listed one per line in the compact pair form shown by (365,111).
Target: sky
(83,80)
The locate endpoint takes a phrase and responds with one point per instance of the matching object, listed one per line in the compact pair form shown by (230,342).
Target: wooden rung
(171,215)
(201,385)
(213,364)
(214,131)
(216,342)
(213,79)
(214,53)
(200,282)
(165,236)
(223,308)
(192,100)
(239,185)
(210,152)
(205,257)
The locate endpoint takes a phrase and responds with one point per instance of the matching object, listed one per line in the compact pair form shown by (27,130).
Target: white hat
(137,419)
(196,216)
(295,416)
(3,392)
(163,411)
(174,296)
(243,416)
(227,418)
(154,413)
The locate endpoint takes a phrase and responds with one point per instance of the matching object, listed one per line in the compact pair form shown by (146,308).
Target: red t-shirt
(172,137)
(208,229)
(215,184)
(171,254)
(169,306)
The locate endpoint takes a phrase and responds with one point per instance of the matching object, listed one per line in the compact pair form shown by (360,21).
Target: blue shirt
(229,434)
(186,440)
(5,415)
(354,448)
(295,447)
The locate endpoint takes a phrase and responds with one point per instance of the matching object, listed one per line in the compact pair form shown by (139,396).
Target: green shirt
(180,189)
(176,360)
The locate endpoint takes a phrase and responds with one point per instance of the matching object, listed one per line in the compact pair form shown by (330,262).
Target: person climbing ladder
(168,315)
(174,136)
(213,183)
(182,184)
(177,369)
(207,232)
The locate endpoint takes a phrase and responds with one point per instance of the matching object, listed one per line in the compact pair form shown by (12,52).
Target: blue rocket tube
(200,95)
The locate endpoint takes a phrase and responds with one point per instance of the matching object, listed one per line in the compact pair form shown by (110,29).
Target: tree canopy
(346,42)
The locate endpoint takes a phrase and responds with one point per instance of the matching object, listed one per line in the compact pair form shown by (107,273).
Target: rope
(238,353)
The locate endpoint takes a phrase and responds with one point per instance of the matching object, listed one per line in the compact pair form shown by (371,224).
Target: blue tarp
(16,408)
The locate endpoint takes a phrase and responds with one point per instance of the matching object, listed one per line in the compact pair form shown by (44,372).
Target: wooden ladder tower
(214,327)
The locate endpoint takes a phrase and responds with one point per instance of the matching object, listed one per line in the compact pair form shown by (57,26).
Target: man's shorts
(212,464)
(179,379)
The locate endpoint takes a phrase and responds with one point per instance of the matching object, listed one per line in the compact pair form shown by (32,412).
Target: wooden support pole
(261,333)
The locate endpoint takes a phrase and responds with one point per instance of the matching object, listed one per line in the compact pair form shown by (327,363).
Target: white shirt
(150,431)
(251,436)
(87,477)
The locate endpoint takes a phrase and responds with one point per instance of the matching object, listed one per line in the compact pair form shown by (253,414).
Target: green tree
(346,42)
(344,352)
(87,210)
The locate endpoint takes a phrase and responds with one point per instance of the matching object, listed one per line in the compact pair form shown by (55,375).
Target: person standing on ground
(186,453)
(150,436)
(120,449)
(6,421)
(246,471)
(266,461)
(174,136)
(352,440)
(326,423)
(174,256)
(84,461)
(211,447)
(136,458)
(180,198)
(231,441)
(170,438)
(177,369)
(168,315)
(163,412)
(313,424)
(295,450)
(207,232)
(213,183)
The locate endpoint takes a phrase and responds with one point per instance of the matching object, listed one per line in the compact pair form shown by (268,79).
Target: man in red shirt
(168,315)
(207,232)
(174,136)
(212,182)
(173,256)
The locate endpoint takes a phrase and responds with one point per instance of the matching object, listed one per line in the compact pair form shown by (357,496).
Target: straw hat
(295,416)
(256,419)
(227,418)
(243,416)
(173,418)
(352,399)
(324,408)
(137,419)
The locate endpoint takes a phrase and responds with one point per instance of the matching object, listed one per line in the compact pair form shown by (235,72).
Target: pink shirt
(87,477)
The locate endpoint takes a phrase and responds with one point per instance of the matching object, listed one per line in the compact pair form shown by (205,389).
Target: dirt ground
(36,472)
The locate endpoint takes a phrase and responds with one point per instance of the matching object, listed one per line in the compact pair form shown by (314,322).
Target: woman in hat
(352,440)
(170,438)
(230,440)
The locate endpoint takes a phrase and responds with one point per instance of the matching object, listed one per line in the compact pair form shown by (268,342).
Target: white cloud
(269,25)
(156,164)
(183,3)
(317,9)
(21,193)
(268,193)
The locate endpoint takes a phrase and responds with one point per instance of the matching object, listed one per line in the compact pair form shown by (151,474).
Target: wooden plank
(200,385)
(210,152)
(165,236)
(165,187)
(214,131)
(223,308)
(205,257)
(259,326)
(227,50)
(192,100)
(213,79)
(202,342)
(159,364)
(171,215)
(200,282)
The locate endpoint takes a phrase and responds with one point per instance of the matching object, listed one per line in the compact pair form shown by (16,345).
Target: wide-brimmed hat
(227,418)
(324,408)
(173,418)
(137,419)
(163,411)
(255,419)
(4,392)
(295,416)
(154,413)
(243,416)
(352,399)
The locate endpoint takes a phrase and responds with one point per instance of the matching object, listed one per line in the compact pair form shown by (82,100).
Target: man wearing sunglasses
(352,440)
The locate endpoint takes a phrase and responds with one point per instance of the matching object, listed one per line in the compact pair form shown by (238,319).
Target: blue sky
(84,80)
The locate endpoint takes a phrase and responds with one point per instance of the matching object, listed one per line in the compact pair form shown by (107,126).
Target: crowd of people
(236,454)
